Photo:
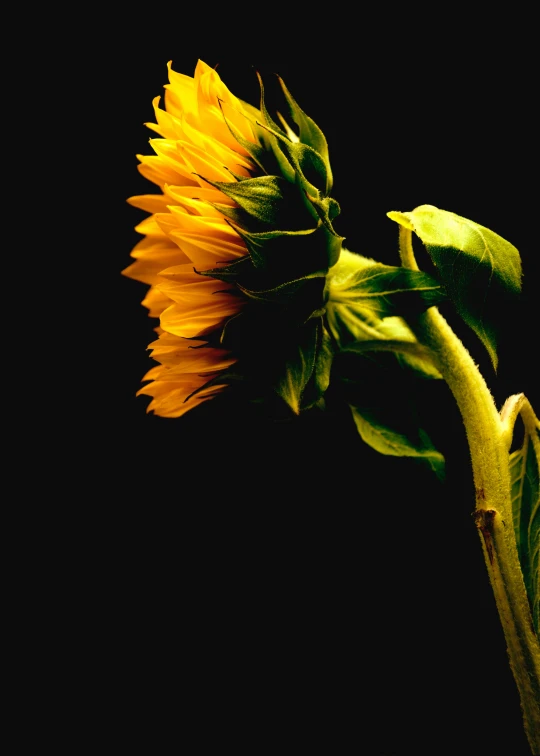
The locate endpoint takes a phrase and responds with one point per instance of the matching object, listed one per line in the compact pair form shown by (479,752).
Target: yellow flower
(185,232)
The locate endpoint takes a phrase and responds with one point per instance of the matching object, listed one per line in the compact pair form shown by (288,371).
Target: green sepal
(238,330)
(277,355)
(316,388)
(309,289)
(274,134)
(236,176)
(309,132)
(309,167)
(264,200)
(327,209)
(298,367)
(292,254)
(481,271)
(268,120)
(264,329)
(273,164)
(262,154)
(524,471)
(232,272)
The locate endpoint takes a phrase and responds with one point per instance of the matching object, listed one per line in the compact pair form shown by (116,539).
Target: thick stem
(488,444)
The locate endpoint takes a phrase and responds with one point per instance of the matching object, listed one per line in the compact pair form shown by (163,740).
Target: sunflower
(236,248)
(185,233)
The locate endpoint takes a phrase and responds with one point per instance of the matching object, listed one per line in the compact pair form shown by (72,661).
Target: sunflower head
(236,247)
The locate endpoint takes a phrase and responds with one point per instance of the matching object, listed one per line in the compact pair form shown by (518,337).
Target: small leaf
(524,467)
(388,402)
(387,441)
(481,271)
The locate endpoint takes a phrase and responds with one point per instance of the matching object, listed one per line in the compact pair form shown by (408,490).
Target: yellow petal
(199,320)
(200,193)
(156,302)
(152,203)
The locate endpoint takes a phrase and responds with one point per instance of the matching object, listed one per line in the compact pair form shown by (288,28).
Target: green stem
(487,436)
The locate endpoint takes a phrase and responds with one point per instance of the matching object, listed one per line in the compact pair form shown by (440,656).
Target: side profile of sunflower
(241,223)
(185,232)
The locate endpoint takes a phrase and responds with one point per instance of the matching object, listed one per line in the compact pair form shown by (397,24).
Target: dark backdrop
(264,574)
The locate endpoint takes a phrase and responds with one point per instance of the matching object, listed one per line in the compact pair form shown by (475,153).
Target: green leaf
(524,467)
(385,440)
(388,402)
(481,271)
(404,344)
(298,367)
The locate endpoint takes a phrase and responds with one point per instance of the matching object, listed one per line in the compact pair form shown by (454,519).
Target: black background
(264,575)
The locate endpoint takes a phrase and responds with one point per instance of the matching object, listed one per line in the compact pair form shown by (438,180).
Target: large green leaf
(524,467)
(480,270)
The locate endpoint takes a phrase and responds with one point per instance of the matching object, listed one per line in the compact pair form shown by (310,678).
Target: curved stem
(487,436)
